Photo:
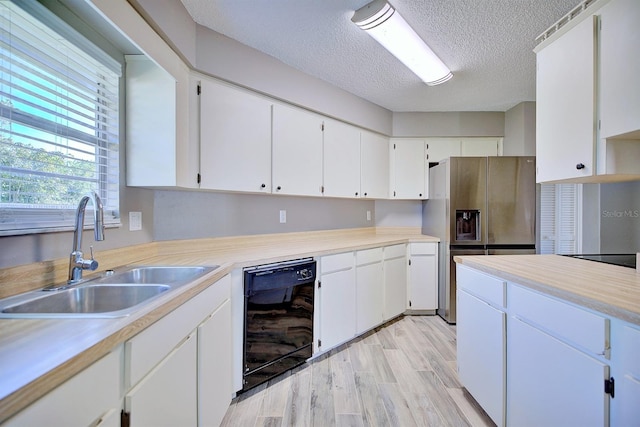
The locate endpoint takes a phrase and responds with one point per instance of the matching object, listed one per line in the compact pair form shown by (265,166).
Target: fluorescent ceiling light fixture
(382,22)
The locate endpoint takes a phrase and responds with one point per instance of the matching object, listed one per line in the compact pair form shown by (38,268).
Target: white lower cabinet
(178,370)
(481,339)
(369,289)
(337,300)
(395,280)
(625,406)
(214,366)
(560,357)
(423,277)
(92,397)
(167,396)
(549,382)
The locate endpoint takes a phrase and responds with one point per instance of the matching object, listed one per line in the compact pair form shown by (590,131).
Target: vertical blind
(559,219)
(58,124)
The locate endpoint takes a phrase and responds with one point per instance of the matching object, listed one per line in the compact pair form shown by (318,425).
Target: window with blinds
(559,219)
(58,122)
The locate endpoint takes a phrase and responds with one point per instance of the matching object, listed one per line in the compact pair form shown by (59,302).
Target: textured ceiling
(487,44)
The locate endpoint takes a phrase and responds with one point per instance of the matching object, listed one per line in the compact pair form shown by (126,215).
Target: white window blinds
(58,123)
(559,219)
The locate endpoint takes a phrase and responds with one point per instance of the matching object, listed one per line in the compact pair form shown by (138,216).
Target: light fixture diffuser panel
(382,22)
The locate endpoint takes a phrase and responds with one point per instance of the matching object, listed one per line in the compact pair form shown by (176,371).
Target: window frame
(21,220)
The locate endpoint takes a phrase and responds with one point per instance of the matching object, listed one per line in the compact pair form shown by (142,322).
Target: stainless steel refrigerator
(478,206)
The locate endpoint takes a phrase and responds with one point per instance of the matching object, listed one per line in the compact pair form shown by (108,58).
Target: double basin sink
(113,294)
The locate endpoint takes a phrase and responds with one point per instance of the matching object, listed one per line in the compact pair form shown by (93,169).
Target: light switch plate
(283,216)
(135,221)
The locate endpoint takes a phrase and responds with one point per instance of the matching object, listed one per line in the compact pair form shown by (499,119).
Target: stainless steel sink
(113,294)
(155,274)
(89,299)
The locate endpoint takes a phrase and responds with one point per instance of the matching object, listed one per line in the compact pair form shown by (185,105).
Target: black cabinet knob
(263,185)
(278,188)
(365,194)
(356,193)
(420,194)
(580,166)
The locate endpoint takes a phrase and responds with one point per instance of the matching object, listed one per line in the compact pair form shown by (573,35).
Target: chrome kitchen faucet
(76,262)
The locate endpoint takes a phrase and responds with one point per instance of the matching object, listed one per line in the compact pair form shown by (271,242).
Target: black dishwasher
(278,326)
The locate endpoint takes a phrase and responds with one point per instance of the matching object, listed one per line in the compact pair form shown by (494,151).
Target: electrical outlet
(135,221)
(283,216)
(368,215)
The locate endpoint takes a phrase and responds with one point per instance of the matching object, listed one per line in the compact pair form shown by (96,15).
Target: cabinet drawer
(149,347)
(336,262)
(484,286)
(368,256)
(423,248)
(562,320)
(395,251)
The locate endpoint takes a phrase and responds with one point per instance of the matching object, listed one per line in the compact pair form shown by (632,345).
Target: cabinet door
(625,348)
(395,287)
(408,169)
(297,152)
(423,283)
(214,367)
(565,105)
(78,401)
(235,139)
(439,149)
(619,68)
(337,308)
(481,354)
(167,395)
(472,147)
(552,383)
(341,159)
(152,155)
(374,166)
(369,296)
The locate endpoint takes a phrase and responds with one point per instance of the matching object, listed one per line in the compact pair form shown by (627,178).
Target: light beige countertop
(37,355)
(606,288)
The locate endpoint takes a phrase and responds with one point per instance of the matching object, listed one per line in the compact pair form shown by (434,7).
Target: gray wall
(195,214)
(18,250)
(620,217)
(520,130)
(467,123)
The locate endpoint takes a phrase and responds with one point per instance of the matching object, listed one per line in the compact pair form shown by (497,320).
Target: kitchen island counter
(609,289)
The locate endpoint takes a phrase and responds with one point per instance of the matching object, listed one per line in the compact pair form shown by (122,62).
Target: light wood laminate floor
(400,374)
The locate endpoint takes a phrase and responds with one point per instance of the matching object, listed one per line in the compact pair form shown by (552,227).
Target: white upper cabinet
(374,165)
(565,105)
(297,151)
(408,169)
(480,147)
(619,69)
(588,96)
(235,139)
(341,151)
(439,149)
(159,151)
